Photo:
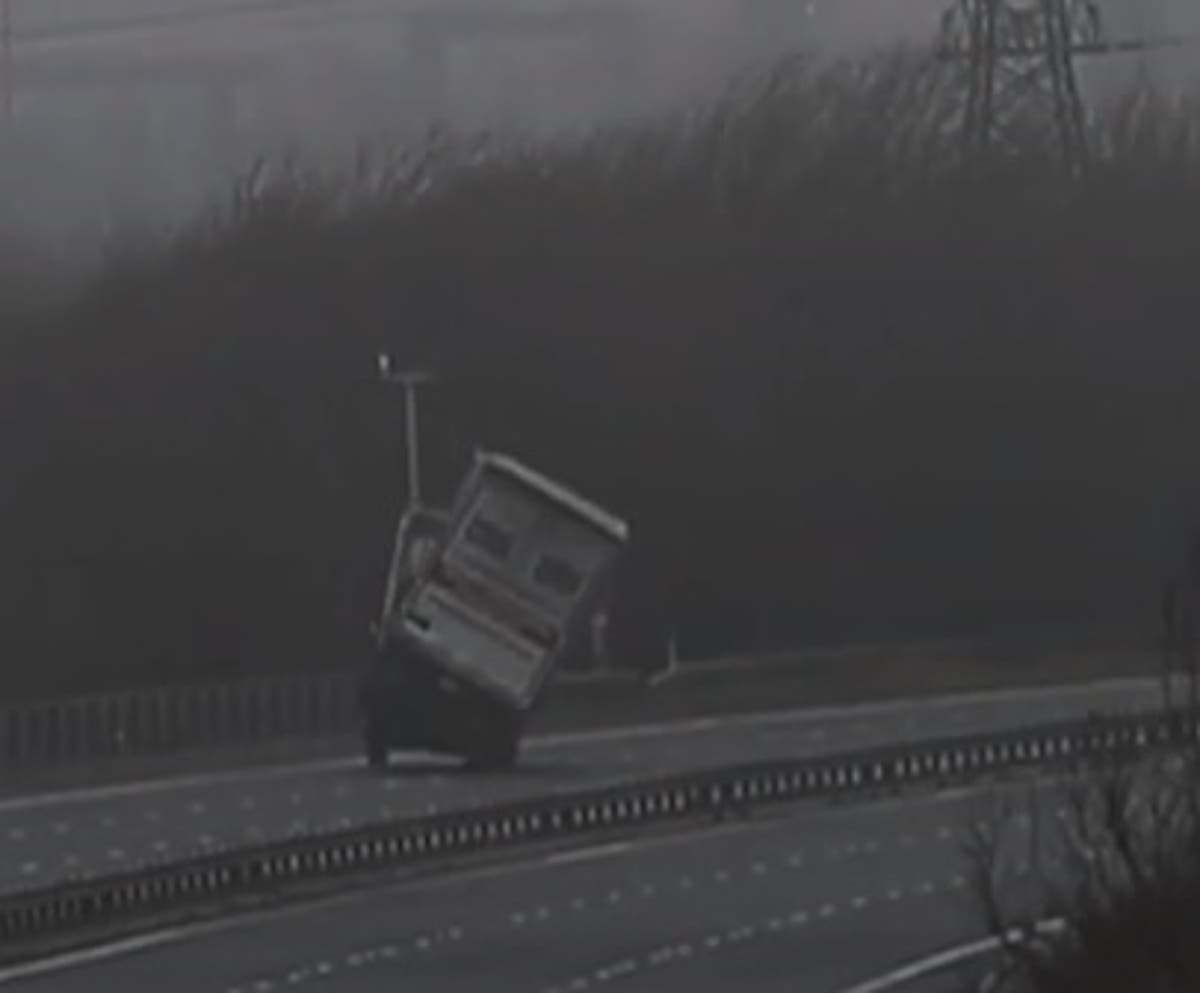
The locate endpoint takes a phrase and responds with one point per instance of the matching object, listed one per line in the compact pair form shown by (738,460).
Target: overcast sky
(319,75)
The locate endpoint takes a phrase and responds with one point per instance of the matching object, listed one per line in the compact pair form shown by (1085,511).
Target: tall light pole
(408,380)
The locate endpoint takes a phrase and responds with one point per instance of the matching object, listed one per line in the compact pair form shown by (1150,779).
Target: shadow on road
(418,767)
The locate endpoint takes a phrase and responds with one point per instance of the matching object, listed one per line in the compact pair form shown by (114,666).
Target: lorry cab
(506,593)
(421,531)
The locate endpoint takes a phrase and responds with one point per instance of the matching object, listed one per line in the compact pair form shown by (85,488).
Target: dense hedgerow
(1095,889)
(841,389)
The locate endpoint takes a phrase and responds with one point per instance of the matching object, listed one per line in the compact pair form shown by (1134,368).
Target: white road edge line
(268,772)
(94,955)
(945,959)
(587,854)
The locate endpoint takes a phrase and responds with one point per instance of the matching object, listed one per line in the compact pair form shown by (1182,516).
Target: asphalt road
(815,902)
(86,832)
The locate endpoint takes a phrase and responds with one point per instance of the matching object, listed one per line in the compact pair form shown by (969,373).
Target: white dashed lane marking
(613,898)
(729,938)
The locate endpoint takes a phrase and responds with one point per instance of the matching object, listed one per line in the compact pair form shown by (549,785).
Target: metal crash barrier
(162,721)
(319,706)
(75,911)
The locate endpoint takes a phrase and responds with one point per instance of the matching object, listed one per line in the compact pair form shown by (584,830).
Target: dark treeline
(840,391)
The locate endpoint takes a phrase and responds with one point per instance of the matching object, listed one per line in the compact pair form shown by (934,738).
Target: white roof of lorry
(589,511)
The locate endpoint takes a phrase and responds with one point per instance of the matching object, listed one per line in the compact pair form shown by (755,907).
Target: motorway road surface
(87,832)
(814,902)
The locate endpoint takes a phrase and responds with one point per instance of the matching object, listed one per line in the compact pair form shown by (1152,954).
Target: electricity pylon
(1018,60)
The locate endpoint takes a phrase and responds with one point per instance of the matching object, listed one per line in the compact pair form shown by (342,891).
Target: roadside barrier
(31,921)
(314,707)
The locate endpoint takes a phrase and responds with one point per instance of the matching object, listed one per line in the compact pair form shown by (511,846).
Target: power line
(339,11)
(1018,55)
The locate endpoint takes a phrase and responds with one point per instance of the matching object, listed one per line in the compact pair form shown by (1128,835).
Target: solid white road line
(587,854)
(946,959)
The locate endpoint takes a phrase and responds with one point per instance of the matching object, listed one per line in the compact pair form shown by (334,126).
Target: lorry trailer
(482,610)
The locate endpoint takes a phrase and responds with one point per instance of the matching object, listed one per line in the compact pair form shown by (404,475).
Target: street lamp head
(407,378)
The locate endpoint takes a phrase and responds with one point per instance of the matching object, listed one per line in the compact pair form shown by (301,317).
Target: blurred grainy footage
(628,496)
(770,262)
(124,116)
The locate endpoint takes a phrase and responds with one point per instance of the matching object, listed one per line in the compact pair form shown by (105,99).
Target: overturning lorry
(483,602)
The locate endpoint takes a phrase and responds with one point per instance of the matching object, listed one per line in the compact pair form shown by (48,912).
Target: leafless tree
(1105,895)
